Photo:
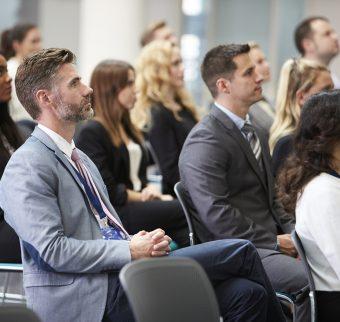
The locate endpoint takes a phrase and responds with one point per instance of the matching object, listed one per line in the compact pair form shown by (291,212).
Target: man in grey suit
(225,170)
(73,243)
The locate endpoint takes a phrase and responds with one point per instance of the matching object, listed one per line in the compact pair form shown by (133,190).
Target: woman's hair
(315,138)
(153,83)
(108,78)
(17,33)
(296,75)
(8,129)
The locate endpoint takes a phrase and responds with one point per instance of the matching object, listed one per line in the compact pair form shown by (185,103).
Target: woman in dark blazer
(10,140)
(116,146)
(164,108)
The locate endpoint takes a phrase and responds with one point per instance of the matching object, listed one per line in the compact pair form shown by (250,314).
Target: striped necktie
(254,141)
(109,225)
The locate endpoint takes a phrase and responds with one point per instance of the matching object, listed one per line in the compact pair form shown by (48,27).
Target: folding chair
(169,289)
(302,254)
(180,193)
(5,296)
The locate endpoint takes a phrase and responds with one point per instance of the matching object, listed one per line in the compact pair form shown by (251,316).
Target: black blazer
(113,162)
(282,150)
(231,196)
(167,136)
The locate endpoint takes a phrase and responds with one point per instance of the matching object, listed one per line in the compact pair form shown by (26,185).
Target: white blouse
(318,225)
(135,155)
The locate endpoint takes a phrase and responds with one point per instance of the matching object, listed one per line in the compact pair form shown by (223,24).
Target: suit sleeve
(91,141)
(32,209)
(204,165)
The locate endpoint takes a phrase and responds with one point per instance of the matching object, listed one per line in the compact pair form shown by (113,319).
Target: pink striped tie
(88,178)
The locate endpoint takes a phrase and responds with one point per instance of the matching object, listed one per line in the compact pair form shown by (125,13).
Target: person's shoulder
(323,186)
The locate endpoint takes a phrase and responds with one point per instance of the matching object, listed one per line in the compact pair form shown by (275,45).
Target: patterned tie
(109,225)
(253,140)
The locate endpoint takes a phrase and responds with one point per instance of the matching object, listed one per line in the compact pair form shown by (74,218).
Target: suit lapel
(234,132)
(48,142)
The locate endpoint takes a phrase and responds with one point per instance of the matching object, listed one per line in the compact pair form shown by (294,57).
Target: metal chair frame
(5,296)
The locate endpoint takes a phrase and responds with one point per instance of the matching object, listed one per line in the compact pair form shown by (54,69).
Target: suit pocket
(43,279)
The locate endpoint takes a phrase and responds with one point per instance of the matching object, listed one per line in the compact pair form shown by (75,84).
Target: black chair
(13,313)
(302,254)
(169,289)
(286,299)
(180,193)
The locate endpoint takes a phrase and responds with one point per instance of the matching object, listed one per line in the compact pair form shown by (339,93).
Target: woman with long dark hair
(309,184)
(116,146)
(10,140)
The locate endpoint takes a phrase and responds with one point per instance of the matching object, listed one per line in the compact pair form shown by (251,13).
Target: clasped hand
(149,244)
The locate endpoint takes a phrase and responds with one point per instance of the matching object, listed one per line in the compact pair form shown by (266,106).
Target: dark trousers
(287,275)
(235,270)
(328,306)
(149,215)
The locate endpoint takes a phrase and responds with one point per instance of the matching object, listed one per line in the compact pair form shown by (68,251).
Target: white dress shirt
(318,224)
(60,142)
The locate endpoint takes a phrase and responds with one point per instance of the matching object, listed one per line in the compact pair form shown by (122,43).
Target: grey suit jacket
(229,194)
(64,256)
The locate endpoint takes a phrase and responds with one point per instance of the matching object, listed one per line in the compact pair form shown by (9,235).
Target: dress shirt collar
(60,142)
(238,121)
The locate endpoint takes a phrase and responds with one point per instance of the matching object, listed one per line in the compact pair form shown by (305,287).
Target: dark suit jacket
(223,181)
(113,162)
(167,136)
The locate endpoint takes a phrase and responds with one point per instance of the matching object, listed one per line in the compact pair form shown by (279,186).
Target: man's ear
(308,45)
(43,98)
(223,85)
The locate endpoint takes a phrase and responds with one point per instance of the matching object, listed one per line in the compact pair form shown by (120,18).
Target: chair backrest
(180,193)
(302,254)
(15,313)
(169,289)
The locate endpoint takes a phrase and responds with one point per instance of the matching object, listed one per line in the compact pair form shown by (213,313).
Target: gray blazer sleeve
(32,209)
(204,166)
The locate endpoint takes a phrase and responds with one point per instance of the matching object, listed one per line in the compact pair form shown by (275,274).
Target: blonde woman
(299,79)
(164,109)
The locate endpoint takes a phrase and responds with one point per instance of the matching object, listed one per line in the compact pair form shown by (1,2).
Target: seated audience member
(73,243)
(17,43)
(10,140)
(261,113)
(164,108)
(158,30)
(316,40)
(299,79)
(116,147)
(226,173)
(310,185)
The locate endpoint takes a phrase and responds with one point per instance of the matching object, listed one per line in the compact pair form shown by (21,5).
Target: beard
(76,112)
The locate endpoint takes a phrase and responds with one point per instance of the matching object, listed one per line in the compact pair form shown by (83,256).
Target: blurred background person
(316,40)
(10,140)
(299,79)
(262,113)
(17,43)
(164,108)
(310,185)
(158,30)
(117,148)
